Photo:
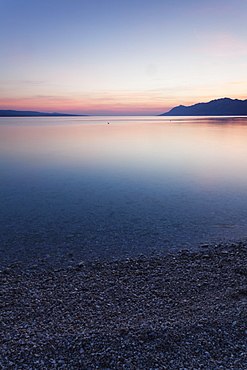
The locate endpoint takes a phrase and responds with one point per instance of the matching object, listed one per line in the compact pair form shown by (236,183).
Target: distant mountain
(20,113)
(219,107)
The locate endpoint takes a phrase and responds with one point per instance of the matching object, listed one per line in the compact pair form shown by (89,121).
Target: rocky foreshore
(179,311)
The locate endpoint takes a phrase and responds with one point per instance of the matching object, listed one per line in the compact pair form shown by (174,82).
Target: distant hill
(20,113)
(219,107)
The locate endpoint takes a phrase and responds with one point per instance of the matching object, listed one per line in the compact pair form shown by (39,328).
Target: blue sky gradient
(120,56)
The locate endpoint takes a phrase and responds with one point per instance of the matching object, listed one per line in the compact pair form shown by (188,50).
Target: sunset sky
(131,57)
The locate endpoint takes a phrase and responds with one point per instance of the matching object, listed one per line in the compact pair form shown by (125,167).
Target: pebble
(182,311)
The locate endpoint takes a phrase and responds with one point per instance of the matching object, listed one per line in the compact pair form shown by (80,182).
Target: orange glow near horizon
(126,105)
(84,107)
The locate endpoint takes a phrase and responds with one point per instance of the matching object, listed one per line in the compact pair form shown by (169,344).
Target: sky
(121,57)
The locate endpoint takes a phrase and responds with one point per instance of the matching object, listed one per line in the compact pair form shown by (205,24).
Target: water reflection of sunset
(205,152)
(137,184)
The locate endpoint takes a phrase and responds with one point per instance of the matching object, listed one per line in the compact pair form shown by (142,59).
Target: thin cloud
(238,83)
(224,45)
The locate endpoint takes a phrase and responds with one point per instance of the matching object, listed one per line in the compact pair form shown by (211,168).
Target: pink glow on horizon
(100,107)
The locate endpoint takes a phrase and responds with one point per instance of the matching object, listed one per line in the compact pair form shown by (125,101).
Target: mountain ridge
(217,107)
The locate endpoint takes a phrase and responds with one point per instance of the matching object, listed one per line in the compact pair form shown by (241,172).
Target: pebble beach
(184,310)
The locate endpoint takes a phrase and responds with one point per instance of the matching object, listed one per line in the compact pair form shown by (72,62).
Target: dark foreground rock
(179,311)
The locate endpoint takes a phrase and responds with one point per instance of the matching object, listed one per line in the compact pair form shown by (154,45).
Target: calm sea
(78,187)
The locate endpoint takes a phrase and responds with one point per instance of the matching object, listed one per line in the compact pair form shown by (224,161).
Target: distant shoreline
(14,113)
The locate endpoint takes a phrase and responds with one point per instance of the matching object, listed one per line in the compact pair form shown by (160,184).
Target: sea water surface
(111,187)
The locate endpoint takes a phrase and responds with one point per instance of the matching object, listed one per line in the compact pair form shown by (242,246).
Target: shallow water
(80,186)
